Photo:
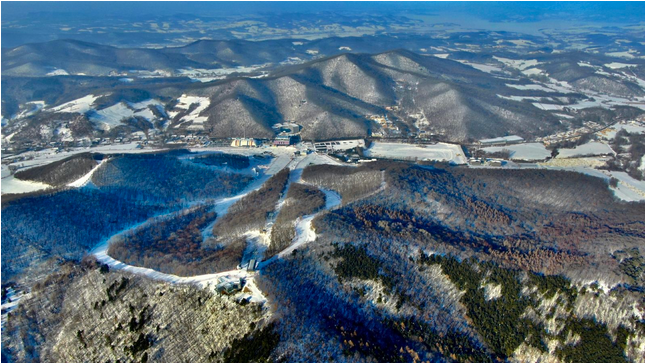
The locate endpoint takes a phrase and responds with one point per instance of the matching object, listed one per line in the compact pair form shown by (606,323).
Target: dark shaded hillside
(63,225)
(126,190)
(162,178)
(467,266)
(567,223)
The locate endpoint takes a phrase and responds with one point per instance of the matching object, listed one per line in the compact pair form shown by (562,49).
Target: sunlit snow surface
(82,105)
(528,151)
(437,152)
(591,148)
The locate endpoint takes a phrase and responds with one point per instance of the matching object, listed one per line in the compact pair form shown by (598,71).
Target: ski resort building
(244,142)
(284,140)
(229,285)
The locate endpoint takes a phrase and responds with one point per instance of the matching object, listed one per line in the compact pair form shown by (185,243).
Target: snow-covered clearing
(588,149)
(527,151)
(628,188)
(628,55)
(112,116)
(483,67)
(521,98)
(532,71)
(208,75)
(610,132)
(10,184)
(520,64)
(30,108)
(547,106)
(86,178)
(82,105)
(504,139)
(530,87)
(57,72)
(184,102)
(439,152)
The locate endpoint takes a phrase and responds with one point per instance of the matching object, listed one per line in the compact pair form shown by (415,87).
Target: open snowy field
(591,148)
(610,132)
(185,102)
(111,117)
(528,151)
(11,184)
(437,152)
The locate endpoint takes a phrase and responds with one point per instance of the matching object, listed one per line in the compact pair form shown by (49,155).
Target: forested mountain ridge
(420,262)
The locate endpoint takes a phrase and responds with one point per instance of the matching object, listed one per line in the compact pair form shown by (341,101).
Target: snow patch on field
(184,102)
(611,132)
(112,116)
(628,188)
(521,98)
(437,152)
(621,55)
(13,185)
(532,71)
(31,108)
(588,149)
(483,67)
(58,72)
(520,64)
(82,105)
(530,87)
(528,151)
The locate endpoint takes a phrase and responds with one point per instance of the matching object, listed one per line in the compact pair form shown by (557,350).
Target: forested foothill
(452,264)
(252,211)
(87,313)
(61,172)
(234,161)
(127,189)
(351,183)
(175,246)
(420,263)
(163,178)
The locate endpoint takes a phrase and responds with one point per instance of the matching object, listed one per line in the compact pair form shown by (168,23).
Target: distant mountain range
(461,99)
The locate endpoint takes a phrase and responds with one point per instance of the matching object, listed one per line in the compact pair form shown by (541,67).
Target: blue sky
(620,11)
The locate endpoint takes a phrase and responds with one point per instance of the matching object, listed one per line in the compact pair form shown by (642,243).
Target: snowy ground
(527,151)
(111,117)
(521,64)
(531,87)
(13,298)
(10,184)
(610,132)
(588,149)
(82,105)
(184,102)
(438,152)
(86,178)
(628,188)
(483,67)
